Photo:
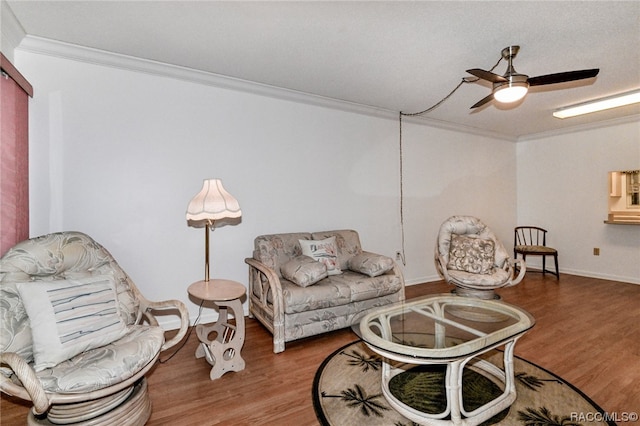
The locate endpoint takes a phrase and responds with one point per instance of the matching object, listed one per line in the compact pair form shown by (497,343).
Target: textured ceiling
(396,56)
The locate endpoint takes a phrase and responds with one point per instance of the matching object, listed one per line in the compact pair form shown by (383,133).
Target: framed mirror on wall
(624,197)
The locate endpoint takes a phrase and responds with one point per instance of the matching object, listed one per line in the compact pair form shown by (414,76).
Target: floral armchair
(77,337)
(469,255)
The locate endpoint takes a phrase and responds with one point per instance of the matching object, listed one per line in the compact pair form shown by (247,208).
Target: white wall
(118,154)
(453,173)
(563,187)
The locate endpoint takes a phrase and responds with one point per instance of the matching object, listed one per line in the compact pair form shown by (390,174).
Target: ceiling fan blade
(562,77)
(486,75)
(483,101)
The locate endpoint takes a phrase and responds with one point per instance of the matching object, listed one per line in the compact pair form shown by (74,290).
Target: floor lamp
(212,207)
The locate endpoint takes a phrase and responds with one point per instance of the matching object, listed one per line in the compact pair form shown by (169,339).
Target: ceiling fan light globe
(514,89)
(509,93)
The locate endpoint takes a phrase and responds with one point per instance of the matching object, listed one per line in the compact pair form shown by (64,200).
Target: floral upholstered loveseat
(303,284)
(77,337)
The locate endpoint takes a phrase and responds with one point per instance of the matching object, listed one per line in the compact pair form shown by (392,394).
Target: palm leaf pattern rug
(346,391)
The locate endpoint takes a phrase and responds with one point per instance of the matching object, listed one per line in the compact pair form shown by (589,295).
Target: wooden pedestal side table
(223,351)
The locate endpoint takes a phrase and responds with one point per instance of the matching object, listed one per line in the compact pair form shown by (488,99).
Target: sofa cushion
(277,249)
(471,254)
(68,317)
(105,366)
(304,271)
(325,251)
(337,290)
(323,294)
(348,243)
(535,249)
(370,264)
(499,276)
(363,287)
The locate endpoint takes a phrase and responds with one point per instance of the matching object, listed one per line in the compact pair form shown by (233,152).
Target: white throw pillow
(69,317)
(325,251)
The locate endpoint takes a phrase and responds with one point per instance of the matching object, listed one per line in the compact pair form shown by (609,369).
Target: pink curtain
(14,157)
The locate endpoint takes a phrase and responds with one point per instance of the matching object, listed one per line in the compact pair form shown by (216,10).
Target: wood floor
(587,331)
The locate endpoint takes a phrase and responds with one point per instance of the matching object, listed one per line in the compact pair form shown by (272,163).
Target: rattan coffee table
(452,331)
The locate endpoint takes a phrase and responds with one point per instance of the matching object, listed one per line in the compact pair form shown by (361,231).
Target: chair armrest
(31,388)
(272,279)
(147,307)
(522,269)
(441,267)
(397,271)
(263,279)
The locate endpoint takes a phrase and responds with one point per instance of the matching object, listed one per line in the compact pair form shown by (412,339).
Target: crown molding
(93,56)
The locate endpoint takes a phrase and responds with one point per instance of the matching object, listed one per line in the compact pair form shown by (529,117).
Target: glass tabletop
(442,327)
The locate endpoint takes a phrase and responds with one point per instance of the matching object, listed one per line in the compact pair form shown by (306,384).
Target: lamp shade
(211,204)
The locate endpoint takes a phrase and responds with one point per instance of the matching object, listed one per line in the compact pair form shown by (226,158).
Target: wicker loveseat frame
(291,312)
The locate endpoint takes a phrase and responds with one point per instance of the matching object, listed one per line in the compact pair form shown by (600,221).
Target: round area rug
(347,391)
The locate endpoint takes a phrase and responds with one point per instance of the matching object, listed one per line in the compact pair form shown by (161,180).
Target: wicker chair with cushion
(77,337)
(470,256)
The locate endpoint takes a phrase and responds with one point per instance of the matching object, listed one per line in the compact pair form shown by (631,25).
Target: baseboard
(422,280)
(610,277)
(538,269)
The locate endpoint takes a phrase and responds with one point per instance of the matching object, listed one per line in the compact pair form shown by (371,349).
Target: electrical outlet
(398,255)
(596,251)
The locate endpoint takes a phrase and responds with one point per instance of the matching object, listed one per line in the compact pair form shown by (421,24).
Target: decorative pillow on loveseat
(325,251)
(304,271)
(370,264)
(68,317)
(471,254)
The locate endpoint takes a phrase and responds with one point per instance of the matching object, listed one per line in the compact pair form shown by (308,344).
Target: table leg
(458,416)
(453,386)
(223,352)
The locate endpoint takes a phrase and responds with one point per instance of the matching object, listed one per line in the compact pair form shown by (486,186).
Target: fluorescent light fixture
(601,104)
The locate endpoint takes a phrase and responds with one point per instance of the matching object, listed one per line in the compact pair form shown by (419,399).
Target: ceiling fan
(513,86)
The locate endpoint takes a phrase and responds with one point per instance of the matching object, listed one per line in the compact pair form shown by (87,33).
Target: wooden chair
(532,241)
